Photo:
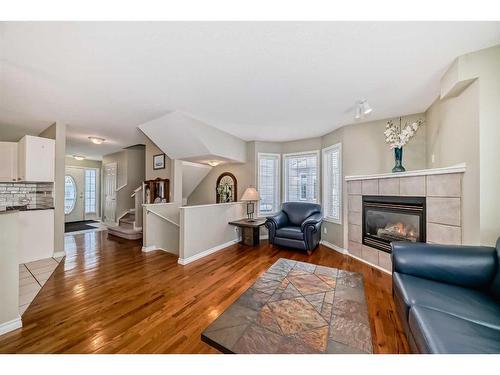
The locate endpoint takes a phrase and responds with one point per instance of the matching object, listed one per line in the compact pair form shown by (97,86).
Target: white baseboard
(59,254)
(207,252)
(334,247)
(346,252)
(11,325)
(146,249)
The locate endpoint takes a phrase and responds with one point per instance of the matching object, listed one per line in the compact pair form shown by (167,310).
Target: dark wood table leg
(250,236)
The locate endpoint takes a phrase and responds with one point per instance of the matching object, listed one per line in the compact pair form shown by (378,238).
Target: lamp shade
(250,194)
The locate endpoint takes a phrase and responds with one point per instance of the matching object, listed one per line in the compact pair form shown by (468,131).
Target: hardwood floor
(107,296)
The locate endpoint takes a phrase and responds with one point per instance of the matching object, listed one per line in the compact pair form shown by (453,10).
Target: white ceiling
(272,81)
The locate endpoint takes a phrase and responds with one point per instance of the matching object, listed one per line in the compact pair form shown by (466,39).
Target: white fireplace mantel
(459,168)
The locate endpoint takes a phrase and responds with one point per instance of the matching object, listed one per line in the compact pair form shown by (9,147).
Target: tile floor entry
(32,276)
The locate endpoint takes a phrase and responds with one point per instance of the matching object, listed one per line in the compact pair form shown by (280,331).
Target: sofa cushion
(495,285)
(465,266)
(438,332)
(290,232)
(297,212)
(468,304)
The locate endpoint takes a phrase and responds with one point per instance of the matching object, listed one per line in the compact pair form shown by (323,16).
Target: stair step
(123,232)
(126,225)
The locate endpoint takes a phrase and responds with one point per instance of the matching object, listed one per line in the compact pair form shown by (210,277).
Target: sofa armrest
(312,220)
(467,266)
(279,220)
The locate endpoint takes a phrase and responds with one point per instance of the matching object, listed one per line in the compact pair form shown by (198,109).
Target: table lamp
(250,195)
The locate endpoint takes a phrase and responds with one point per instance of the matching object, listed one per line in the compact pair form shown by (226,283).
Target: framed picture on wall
(159,161)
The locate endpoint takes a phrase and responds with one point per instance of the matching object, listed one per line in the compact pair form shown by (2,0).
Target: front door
(74,195)
(110,192)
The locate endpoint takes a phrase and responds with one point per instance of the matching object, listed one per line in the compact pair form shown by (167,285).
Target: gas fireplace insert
(386,219)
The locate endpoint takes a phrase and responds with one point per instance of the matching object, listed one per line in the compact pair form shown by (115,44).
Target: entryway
(81,194)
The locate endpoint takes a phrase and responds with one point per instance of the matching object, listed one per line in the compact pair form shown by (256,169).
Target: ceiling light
(213,163)
(366,108)
(96,140)
(362,109)
(357,114)
(79,157)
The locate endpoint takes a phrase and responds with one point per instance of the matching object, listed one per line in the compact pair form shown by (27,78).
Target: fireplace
(386,219)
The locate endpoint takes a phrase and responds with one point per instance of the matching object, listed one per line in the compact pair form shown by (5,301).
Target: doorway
(109,172)
(81,194)
(74,199)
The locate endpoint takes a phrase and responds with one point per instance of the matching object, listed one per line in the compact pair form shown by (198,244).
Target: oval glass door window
(69,194)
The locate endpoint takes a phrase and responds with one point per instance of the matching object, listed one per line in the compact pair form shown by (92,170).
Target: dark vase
(398,157)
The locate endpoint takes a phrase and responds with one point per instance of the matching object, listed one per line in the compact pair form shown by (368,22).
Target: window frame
(318,175)
(75,193)
(278,179)
(85,191)
(325,174)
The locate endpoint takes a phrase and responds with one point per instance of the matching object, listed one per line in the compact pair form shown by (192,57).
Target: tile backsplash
(31,194)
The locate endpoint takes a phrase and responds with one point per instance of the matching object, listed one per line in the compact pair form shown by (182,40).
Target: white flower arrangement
(398,136)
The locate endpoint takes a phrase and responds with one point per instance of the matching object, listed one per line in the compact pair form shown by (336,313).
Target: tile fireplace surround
(442,188)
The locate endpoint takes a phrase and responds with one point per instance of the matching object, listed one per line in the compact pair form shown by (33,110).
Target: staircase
(126,227)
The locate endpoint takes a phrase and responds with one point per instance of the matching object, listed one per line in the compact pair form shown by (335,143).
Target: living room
(259,188)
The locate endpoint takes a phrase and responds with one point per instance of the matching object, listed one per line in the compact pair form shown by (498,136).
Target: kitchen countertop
(3,212)
(25,208)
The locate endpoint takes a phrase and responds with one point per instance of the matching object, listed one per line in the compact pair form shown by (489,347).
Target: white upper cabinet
(8,161)
(36,159)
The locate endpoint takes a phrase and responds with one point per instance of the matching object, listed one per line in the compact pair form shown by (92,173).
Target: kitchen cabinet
(35,159)
(8,161)
(36,235)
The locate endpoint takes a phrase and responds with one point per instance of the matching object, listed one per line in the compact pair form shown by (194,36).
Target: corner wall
(130,175)
(151,150)
(466,122)
(57,131)
(364,151)
(453,138)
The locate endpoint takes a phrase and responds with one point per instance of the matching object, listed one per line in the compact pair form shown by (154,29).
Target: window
(90,191)
(301,175)
(332,183)
(269,183)
(69,194)
(303,186)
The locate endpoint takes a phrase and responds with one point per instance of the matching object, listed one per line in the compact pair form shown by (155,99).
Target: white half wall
(161,227)
(205,229)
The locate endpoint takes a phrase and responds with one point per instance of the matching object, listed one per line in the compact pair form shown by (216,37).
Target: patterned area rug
(296,307)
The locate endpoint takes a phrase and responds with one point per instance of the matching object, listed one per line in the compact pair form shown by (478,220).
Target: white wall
(453,138)
(161,227)
(473,113)
(205,229)
(9,273)
(57,131)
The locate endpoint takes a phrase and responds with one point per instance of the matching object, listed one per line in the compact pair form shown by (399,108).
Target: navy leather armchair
(297,225)
(448,297)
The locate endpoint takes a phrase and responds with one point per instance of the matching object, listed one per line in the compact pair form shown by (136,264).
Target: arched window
(69,194)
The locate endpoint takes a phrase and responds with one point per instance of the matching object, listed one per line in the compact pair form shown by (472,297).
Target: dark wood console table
(250,230)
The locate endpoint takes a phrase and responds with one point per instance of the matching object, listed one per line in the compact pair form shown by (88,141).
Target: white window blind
(269,183)
(301,177)
(332,182)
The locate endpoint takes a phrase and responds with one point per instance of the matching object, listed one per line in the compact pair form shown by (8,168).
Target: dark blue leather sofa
(297,225)
(448,297)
